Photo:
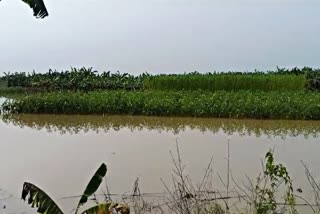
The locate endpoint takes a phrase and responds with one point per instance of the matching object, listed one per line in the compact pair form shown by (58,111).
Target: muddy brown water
(60,153)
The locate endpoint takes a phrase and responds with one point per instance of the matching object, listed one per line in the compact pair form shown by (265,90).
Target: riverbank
(242,104)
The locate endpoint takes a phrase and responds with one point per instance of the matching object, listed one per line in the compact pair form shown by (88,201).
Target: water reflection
(67,124)
(2,100)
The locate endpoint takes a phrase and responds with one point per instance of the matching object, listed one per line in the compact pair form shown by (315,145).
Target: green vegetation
(243,104)
(280,94)
(313,81)
(16,91)
(44,204)
(75,80)
(3,83)
(274,176)
(227,82)
(88,80)
(280,80)
(5,90)
(271,192)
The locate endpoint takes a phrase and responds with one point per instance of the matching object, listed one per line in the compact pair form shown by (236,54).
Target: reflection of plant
(87,123)
(45,205)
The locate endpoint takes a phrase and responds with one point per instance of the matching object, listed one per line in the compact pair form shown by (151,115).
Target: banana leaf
(108,207)
(93,185)
(39,8)
(103,208)
(39,199)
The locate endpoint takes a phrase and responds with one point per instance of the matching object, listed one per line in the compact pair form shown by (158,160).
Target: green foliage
(98,209)
(280,80)
(93,185)
(313,82)
(243,104)
(18,91)
(227,82)
(88,80)
(275,175)
(108,207)
(3,83)
(39,199)
(76,80)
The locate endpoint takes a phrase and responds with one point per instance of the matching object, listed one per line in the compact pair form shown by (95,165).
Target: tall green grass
(244,104)
(227,82)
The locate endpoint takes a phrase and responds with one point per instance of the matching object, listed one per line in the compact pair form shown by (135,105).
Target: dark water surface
(60,153)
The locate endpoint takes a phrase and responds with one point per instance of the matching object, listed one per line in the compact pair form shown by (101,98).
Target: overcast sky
(160,36)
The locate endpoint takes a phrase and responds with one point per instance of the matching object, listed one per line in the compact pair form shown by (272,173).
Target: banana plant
(37,198)
(39,8)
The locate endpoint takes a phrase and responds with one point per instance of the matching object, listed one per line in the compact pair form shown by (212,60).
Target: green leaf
(99,209)
(93,185)
(39,199)
(108,207)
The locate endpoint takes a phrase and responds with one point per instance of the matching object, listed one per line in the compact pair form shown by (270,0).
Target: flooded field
(60,153)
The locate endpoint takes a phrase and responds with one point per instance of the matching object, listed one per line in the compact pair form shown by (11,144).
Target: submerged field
(244,104)
(281,94)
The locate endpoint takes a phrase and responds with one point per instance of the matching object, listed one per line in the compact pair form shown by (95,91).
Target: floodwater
(60,153)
